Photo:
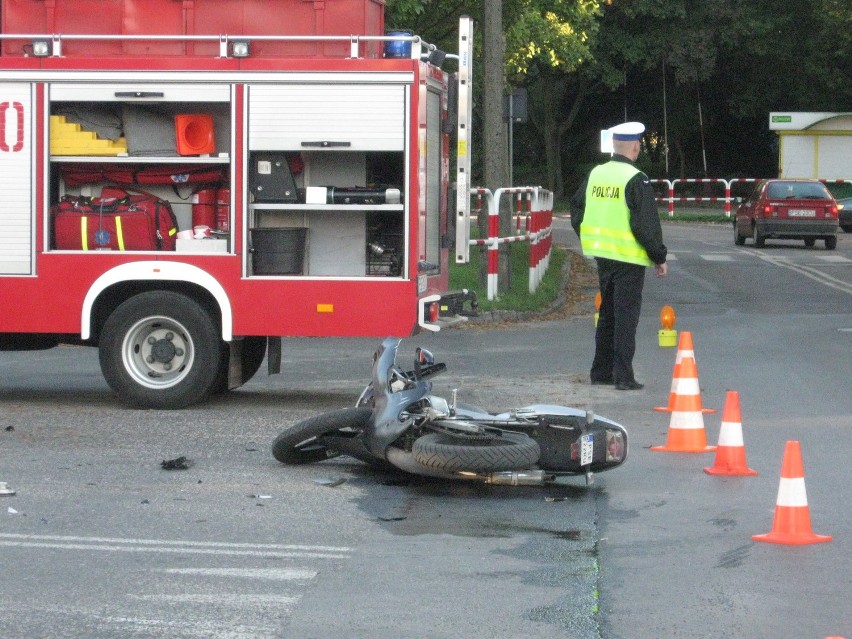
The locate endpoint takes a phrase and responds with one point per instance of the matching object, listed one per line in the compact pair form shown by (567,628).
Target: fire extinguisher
(223,209)
(204,208)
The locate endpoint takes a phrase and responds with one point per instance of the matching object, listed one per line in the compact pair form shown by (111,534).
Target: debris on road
(179,463)
(331,483)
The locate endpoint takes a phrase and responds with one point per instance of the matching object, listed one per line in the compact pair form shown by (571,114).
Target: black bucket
(278,251)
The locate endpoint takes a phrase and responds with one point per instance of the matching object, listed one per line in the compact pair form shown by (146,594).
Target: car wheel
(739,240)
(810,241)
(831,242)
(847,228)
(759,239)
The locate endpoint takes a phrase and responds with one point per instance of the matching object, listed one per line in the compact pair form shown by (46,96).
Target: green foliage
(589,64)
(555,35)
(518,297)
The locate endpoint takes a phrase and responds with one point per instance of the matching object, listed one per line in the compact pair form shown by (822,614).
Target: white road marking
(186,551)
(225,599)
(110,544)
(717,257)
(807,271)
(272,574)
(837,259)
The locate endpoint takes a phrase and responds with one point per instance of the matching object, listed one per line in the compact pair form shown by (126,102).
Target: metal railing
(672,197)
(538,222)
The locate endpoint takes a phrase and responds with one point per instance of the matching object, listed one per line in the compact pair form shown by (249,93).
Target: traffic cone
(684,349)
(730,454)
(792,524)
(686,427)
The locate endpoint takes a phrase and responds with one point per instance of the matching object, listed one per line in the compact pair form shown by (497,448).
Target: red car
(788,209)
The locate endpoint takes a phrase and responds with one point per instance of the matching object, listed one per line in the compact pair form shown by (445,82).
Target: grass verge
(517,297)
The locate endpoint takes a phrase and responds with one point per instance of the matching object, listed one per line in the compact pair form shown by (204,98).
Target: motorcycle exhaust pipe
(518,478)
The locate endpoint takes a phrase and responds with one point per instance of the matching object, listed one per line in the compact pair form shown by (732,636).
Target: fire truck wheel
(252,352)
(160,349)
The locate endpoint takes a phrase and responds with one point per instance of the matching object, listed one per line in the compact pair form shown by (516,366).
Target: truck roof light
(42,48)
(240,48)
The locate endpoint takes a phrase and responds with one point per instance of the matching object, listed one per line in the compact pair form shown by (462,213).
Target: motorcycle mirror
(422,358)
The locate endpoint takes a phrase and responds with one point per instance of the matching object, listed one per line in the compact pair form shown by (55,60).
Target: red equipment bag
(138,222)
(80,174)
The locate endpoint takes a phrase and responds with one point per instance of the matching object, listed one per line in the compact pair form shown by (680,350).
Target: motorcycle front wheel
(442,451)
(302,443)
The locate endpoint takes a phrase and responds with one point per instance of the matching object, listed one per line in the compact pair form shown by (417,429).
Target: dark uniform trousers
(621,302)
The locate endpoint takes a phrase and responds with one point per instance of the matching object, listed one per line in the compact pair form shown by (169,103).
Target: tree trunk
(547,114)
(495,141)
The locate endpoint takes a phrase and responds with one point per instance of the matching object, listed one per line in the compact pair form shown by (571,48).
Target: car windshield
(797,191)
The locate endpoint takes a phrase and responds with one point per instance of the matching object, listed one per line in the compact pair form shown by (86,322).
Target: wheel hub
(163,350)
(157,351)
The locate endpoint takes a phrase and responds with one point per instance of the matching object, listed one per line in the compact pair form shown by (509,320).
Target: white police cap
(627,131)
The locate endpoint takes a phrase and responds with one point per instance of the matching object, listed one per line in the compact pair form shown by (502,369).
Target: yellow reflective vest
(605,230)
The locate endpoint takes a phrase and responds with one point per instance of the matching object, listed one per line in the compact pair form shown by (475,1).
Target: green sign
(782,118)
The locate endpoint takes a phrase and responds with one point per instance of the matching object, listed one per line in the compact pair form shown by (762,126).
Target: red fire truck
(180,197)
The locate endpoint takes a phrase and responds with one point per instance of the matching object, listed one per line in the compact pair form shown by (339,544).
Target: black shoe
(603,382)
(631,385)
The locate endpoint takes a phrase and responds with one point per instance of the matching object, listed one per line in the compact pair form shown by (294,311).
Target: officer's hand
(661,269)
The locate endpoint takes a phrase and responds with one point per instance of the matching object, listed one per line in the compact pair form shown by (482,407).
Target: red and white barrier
(539,222)
(727,199)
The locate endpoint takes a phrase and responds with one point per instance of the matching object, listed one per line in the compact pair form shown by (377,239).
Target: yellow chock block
(68,138)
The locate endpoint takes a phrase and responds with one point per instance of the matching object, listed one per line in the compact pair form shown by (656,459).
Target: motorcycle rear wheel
(302,443)
(510,451)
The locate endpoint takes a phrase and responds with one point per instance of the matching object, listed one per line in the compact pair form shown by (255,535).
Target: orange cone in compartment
(194,134)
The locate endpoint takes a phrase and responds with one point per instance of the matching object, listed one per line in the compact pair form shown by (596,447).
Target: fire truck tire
(510,451)
(252,355)
(302,442)
(160,349)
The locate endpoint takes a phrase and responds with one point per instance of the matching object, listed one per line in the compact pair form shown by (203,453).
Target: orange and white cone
(686,426)
(684,349)
(792,524)
(730,453)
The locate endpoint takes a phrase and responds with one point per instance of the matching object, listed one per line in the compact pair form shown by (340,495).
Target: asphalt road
(99,541)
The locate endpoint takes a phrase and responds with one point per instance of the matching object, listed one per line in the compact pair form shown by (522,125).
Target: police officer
(615,215)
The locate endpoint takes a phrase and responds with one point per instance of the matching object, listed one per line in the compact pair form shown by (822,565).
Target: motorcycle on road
(398,423)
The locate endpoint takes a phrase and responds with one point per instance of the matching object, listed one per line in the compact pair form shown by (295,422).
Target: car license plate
(801,213)
(587,449)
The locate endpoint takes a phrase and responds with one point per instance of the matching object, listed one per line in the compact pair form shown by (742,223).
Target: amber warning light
(667,335)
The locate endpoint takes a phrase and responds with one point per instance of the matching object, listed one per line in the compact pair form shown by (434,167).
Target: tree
(548,42)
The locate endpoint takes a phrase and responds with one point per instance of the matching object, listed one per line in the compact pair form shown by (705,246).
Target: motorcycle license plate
(587,449)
